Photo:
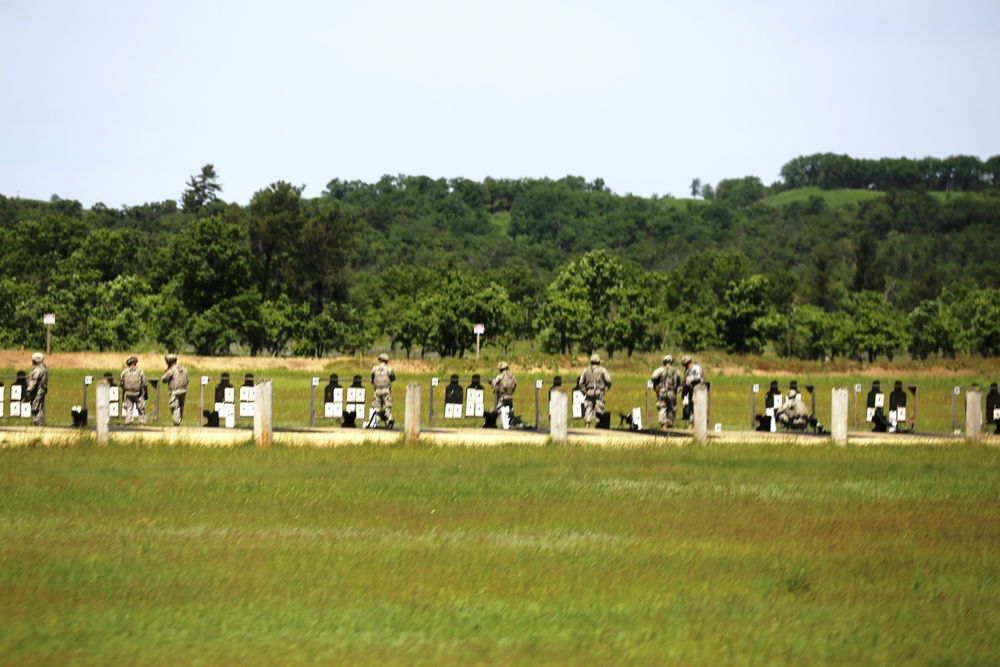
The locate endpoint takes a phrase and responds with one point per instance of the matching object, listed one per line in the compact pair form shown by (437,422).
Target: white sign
(478,329)
(538,384)
(857,389)
(957,390)
(49,318)
(756,388)
(434,382)
(315,382)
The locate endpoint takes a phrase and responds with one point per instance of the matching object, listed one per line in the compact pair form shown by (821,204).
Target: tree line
(413,262)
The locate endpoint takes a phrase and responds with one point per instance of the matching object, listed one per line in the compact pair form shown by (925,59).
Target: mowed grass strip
(501,555)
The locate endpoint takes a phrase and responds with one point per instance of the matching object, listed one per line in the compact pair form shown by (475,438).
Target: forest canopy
(840,257)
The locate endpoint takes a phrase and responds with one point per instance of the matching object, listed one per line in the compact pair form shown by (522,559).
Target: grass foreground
(506,555)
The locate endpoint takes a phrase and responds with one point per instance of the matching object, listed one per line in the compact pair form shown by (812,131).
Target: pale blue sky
(121,102)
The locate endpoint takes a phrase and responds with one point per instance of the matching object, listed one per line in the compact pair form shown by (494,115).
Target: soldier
(793,413)
(383,377)
(666,382)
(38,386)
(133,383)
(504,386)
(693,376)
(176,380)
(594,382)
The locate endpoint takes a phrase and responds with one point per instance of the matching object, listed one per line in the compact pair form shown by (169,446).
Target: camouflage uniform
(793,413)
(594,382)
(382,378)
(504,386)
(37,387)
(176,380)
(133,383)
(666,382)
(693,376)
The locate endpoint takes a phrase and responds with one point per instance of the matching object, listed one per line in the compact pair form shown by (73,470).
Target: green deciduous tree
(933,329)
(746,316)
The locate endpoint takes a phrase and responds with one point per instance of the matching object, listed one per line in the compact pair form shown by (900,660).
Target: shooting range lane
(19,436)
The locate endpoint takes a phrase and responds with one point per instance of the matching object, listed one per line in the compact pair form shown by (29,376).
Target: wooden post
(838,416)
(263,423)
(700,415)
(412,416)
(974,413)
(103,411)
(559,415)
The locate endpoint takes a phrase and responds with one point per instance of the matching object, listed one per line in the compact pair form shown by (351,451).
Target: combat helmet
(37,358)
(595,358)
(502,366)
(686,359)
(668,359)
(170,359)
(132,360)
(383,357)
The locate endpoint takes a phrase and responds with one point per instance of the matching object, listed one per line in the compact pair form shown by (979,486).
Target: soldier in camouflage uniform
(504,386)
(382,378)
(38,386)
(793,413)
(594,383)
(176,380)
(693,376)
(133,383)
(666,382)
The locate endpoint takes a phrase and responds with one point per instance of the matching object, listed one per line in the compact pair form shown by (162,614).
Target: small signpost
(479,330)
(48,319)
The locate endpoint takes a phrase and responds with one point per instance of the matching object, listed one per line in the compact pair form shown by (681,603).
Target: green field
(505,555)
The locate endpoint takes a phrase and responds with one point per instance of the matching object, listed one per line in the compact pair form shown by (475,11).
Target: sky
(121,102)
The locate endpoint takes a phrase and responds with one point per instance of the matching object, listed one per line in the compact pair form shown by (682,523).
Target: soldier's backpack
(182,379)
(380,377)
(507,384)
(132,382)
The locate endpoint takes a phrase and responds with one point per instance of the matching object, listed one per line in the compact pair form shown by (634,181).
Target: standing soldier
(666,382)
(594,382)
(133,383)
(176,379)
(504,386)
(693,376)
(38,386)
(383,377)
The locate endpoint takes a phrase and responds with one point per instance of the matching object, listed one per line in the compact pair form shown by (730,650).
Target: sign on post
(479,330)
(48,320)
